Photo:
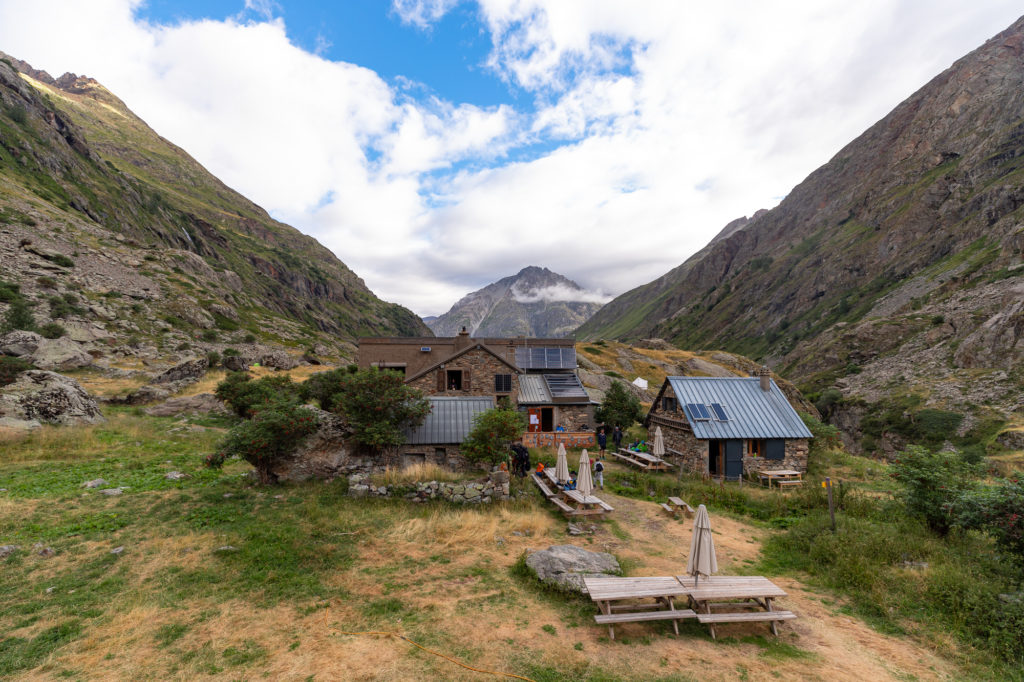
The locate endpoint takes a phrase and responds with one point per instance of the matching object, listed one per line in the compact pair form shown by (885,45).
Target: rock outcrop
(201,403)
(42,396)
(565,565)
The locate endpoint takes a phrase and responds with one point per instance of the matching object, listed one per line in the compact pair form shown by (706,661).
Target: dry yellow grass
(420,472)
(208,384)
(97,384)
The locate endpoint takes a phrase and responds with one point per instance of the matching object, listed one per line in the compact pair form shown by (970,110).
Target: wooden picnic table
(675,505)
(782,477)
(629,600)
(587,504)
(642,460)
(722,592)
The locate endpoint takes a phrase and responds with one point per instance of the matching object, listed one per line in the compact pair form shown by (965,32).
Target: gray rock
(49,397)
(1011,440)
(191,370)
(327,453)
(279,359)
(175,476)
(146,394)
(234,363)
(62,353)
(19,343)
(472,493)
(565,565)
(117,550)
(359,490)
(19,424)
(7,550)
(42,550)
(225,549)
(102,312)
(202,403)
(111,492)
(95,483)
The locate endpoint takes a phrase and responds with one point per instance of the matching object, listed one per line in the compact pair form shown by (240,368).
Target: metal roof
(545,357)
(449,421)
(566,388)
(752,412)
(532,389)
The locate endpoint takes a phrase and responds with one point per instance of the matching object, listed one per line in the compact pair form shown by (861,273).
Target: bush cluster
(243,394)
(11,367)
(492,432)
(276,429)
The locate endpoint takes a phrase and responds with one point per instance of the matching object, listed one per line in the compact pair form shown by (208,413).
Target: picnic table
(782,477)
(722,592)
(643,460)
(631,600)
(586,504)
(675,505)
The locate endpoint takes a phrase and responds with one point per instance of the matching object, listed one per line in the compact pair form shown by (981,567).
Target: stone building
(439,439)
(729,426)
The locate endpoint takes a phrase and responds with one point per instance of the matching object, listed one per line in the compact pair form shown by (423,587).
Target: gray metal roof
(532,389)
(752,413)
(449,421)
(545,357)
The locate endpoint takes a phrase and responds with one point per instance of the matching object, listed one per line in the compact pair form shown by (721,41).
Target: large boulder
(279,359)
(62,353)
(325,454)
(202,403)
(235,363)
(565,566)
(191,370)
(48,397)
(19,343)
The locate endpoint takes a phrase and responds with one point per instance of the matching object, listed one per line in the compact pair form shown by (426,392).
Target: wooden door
(533,416)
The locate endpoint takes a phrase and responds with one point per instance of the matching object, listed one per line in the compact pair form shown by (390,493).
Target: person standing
(599,473)
(602,440)
(617,438)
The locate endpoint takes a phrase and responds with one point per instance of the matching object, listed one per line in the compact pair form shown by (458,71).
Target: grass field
(215,577)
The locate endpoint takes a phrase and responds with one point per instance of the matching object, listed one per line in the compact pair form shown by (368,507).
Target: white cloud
(557,292)
(661,121)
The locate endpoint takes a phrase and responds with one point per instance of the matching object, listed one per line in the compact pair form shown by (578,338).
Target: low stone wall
(495,489)
(571,439)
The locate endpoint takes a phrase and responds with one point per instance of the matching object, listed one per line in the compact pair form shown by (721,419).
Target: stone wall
(448,456)
(481,365)
(575,417)
(679,437)
(494,489)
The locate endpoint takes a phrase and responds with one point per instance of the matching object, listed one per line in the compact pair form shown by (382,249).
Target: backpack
(599,467)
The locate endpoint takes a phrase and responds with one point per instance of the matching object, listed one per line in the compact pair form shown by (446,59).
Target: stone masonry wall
(482,367)
(494,489)
(575,417)
(447,456)
(680,438)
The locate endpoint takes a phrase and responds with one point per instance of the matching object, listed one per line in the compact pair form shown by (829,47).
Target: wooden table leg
(672,607)
(774,623)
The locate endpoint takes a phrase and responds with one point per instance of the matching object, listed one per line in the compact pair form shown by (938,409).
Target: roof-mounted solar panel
(542,357)
(720,413)
(698,412)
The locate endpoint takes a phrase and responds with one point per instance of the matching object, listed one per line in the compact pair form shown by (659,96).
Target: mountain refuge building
(729,426)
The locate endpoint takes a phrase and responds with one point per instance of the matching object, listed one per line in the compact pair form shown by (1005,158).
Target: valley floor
(221,579)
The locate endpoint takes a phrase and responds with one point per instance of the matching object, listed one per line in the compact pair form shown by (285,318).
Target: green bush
(249,338)
(48,282)
(231,353)
(209,335)
(492,433)
(244,395)
(18,316)
(213,359)
(9,292)
(998,510)
(11,367)
(61,260)
(826,436)
(932,483)
(63,306)
(619,408)
(276,430)
(324,387)
(378,405)
(52,330)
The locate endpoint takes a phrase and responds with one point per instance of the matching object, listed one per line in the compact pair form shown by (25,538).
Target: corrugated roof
(532,389)
(752,413)
(449,421)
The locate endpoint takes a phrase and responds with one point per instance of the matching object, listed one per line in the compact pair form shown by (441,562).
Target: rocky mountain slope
(148,248)
(894,270)
(535,302)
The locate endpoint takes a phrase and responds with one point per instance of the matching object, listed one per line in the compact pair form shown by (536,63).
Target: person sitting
(540,468)
(560,428)
(571,483)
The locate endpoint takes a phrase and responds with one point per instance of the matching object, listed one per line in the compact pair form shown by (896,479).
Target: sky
(437,146)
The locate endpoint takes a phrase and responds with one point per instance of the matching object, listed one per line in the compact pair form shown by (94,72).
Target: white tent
(640,382)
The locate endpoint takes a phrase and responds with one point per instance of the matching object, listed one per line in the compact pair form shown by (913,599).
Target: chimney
(462,340)
(765,375)
(511,352)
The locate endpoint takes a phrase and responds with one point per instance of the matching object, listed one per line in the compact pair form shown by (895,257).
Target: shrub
(213,358)
(997,510)
(61,260)
(48,282)
(324,387)
(11,367)
(249,338)
(231,353)
(826,436)
(209,335)
(933,482)
(52,330)
(9,292)
(62,306)
(18,316)
(619,408)
(275,431)
(245,395)
(378,405)
(492,432)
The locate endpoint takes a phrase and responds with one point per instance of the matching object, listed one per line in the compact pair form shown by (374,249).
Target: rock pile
(461,493)
(39,396)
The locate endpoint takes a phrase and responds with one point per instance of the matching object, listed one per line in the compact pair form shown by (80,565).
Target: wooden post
(831,508)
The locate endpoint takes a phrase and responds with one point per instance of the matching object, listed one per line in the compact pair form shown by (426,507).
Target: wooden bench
(627,458)
(790,483)
(610,619)
(679,504)
(546,491)
(670,510)
(772,617)
(566,509)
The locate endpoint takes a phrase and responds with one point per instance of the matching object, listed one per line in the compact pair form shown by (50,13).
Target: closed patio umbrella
(702,559)
(584,481)
(658,450)
(562,465)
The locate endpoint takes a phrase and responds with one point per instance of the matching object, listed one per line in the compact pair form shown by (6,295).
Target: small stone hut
(729,426)
(438,440)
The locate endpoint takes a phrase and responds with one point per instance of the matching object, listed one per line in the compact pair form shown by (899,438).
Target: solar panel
(546,357)
(720,413)
(564,386)
(698,412)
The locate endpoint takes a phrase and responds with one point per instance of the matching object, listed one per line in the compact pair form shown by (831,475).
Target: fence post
(831,507)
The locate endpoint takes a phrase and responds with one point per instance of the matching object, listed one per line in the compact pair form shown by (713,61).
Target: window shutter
(775,449)
(440,380)
(465,380)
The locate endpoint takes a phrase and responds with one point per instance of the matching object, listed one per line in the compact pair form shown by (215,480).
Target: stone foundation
(495,489)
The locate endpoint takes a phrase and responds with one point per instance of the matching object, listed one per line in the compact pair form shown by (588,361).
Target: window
(453,379)
(755,448)
(669,404)
(502,383)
